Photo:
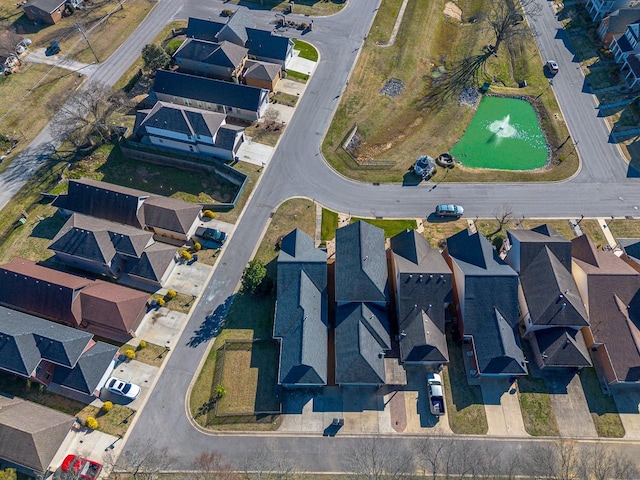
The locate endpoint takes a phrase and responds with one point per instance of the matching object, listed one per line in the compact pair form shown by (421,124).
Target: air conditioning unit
(473,373)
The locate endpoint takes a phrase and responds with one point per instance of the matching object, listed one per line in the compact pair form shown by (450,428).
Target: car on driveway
(447,210)
(77,467)
(436,394)
(122,388)
(211,237)
(552,66)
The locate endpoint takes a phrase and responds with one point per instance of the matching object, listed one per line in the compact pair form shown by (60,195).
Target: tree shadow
(212,324)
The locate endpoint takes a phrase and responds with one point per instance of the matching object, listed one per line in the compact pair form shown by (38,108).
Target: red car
(79,467)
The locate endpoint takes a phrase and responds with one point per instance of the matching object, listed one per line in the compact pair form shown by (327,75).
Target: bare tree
(268,462)
(554,460)
(506,20)
(87,113)
(9,40)
(374,459)
(212,466)
(502,215)
(599,462)
(143,460)
(446,458)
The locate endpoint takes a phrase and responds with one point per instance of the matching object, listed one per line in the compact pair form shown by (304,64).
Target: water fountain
(503,134)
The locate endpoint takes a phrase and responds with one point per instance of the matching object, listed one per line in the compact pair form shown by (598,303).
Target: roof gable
(474,255)
(235,30)
(562,347)
(263,44)
(170,214)
(203,29)
(422,340)
(361,264)
(117,308)
(88,371)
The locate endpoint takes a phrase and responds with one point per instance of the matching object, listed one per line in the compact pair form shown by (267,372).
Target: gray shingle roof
(551,293)
(236,27)
(301,311)
(424,286)
(104,200)
(226,137)
(170,214)
(48,6)
(562,347)
(181,119)
(361,338)
(153,262)
(85,376)
(30,434)
(208,90)
(631,247)
(223,54)
(261,70)
(25,340)
(621,18)
(263,44)
(203,29)
(534,240)
(361,264)
(490,304)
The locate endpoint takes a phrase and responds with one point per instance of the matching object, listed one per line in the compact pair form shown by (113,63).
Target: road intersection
(602,188)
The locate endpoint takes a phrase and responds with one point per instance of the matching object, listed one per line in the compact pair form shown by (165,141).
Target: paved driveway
(570,404)
(161,326)
(628,402)
(136,372)
(189,278)
(502,407)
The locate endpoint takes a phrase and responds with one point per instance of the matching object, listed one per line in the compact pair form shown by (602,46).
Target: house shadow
(633,170)
(264,359)
(562,35)
(212,324)
(294,400)
(48,227)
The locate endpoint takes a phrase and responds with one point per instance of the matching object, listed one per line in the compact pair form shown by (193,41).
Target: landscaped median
(243,360)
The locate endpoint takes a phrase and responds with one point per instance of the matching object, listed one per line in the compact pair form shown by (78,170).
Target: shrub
(220,391)
(130,354)
(160,302)
(142,345)
(226,12)
(170,294)
(196,246)
(185,254)
(107,406)
(209,214)
(91,423)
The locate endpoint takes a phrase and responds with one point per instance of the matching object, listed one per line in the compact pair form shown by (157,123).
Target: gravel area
(392,87)
(469,96)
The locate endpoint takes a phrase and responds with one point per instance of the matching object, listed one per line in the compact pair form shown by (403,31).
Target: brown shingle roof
(170,214)
(112,306)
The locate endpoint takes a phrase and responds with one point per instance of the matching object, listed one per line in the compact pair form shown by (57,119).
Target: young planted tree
(253,276)
(375,458)
(143,461)
(212,466)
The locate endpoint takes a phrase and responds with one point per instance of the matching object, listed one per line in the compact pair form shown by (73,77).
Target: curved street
(601,188)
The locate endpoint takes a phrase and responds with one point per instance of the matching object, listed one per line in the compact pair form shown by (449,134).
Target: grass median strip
(602,407)
(329,225)
(390,227)
(535,404)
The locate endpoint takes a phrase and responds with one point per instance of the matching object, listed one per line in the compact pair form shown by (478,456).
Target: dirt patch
(453,11)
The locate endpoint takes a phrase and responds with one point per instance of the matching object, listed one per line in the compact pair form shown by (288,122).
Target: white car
(553,67)
(122,388)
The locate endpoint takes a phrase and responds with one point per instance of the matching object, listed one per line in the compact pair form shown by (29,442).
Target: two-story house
(598,9)
(626,51)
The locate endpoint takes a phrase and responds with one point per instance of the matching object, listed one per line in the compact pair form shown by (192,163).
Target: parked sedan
(122,388)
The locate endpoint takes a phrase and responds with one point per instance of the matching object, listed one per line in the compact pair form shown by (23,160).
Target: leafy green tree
(154,57)
(253,276)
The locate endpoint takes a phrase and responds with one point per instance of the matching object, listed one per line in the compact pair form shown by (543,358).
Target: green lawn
(535,404)
(390,227)
(300,77)
(602,407)
(306,50)
(329,225)
(464,402)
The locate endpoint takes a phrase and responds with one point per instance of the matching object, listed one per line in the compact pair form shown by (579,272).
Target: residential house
(631,251)
(262,45)
(234,100)
(166,217)
(262,74)
(120,252)
(616,23)
(626,51)
(598,9)
(423,290)
(224,60)
(66,360)
(362,333)
(45,11)
(486,296)
(189,130)
(30,435)
(552,312)
(300,323)
(101,308)
(611,290)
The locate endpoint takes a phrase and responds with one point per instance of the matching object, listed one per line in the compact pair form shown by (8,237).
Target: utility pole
(87,40)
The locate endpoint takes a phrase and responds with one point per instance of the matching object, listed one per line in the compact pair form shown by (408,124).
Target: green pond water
(504,134)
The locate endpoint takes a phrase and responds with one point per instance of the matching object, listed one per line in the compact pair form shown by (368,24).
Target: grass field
(602,407)
(329,225)
(390,227)
(464,402)
(397,130)
(535,405)
(250,317)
